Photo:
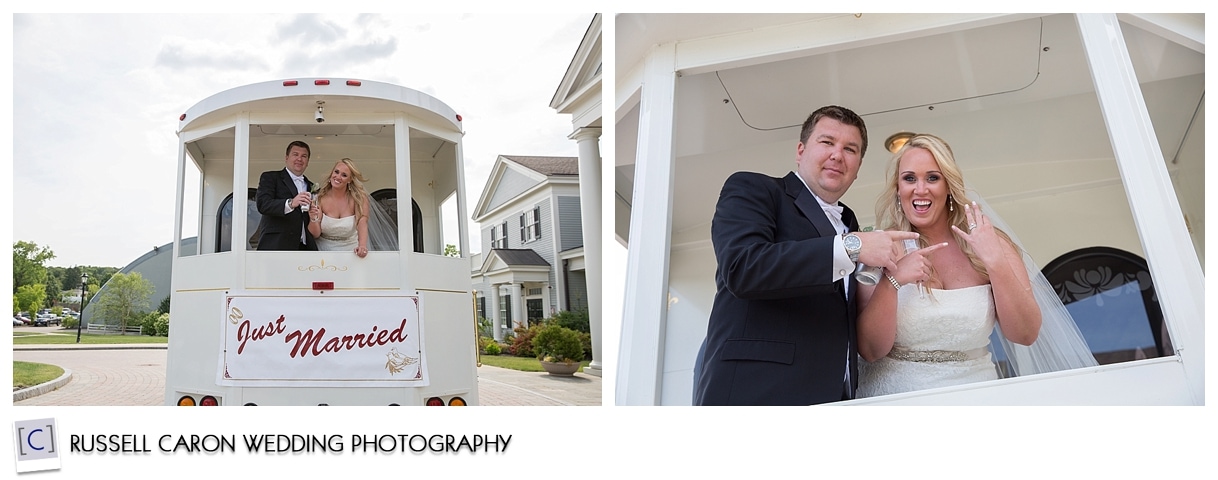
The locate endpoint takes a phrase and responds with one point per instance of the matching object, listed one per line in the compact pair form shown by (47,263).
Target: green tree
(450,250)
(30,298)
(29,264)
(90,292)
(125,298)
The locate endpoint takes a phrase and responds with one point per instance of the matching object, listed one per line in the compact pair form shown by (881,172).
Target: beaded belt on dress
(936,356)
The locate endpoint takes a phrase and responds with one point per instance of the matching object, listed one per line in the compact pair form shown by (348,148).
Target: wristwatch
(854,245)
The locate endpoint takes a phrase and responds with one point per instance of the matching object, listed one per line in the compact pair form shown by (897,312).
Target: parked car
(45,320)
(20,320)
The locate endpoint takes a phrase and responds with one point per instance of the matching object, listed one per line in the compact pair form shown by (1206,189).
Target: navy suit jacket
(280,231)
(781,331)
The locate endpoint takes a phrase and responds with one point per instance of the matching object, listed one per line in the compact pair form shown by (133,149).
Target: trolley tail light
(209,401)
(458,117)
(354,83)
(290,83)
(435,402)
(323,285)
(321,82)
(456,402)
(186,401)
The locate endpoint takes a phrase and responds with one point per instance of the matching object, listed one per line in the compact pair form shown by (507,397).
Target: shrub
(577,320)
(70,322)
(554,343)
(493,349)
(162,325)
(522,343)
(155,324)
(486,327)
(585,339)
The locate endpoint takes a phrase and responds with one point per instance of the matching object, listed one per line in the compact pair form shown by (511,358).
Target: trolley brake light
(354,83)
(208,401)
(290,83)
(435,402)
(321,82)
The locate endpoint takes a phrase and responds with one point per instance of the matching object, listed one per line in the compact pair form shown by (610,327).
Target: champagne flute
(911,245)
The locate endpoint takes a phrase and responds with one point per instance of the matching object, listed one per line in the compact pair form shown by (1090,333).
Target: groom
(280,196)
(782,328)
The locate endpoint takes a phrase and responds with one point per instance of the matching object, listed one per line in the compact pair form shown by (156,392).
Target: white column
(644,309)
(546,289)
(496,320)
(590,214)
(519,319)
(1156,211)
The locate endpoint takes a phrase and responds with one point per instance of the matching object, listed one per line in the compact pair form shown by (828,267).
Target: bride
(339,217)
(928,323)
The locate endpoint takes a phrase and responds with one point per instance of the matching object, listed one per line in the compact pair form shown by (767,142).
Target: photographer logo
(37,446)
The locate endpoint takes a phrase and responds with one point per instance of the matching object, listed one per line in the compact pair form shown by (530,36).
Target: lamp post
(84,282)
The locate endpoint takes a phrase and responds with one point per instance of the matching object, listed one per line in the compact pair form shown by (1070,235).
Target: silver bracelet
(894,281)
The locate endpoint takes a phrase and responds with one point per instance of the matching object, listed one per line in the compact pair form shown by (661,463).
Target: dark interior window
(224,223)
(1110,294)
(388,198)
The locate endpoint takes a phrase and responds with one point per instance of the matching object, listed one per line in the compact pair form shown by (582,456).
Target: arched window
(224,223)
(388,198)
(1110,294)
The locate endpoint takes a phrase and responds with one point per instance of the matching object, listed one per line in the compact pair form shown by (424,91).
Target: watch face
(852,242)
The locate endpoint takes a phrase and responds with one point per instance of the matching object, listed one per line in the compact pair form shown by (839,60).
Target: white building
(1085,132)
(529,217)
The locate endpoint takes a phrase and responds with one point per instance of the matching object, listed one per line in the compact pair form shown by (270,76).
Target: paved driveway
(136,376)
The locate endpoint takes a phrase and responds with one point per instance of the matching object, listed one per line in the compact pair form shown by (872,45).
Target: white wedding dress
(942,339)
(338,234)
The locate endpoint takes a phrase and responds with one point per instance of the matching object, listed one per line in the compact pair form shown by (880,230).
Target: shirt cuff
(287,206)
(842,266)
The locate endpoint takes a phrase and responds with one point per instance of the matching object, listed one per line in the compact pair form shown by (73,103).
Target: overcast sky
(96,100)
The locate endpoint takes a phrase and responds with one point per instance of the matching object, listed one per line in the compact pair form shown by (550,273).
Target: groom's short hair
(298,143)
(841,114)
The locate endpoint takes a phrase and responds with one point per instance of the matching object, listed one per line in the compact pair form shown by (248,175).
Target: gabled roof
(548,165)
(583,75)
(542,169)
(503,265)
(517,257)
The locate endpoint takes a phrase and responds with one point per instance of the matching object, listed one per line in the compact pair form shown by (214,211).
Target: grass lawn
(28,374)
(524,364)
(65,337)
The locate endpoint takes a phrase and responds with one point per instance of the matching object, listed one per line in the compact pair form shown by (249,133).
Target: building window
(499,237)
(505,310)
(530,225)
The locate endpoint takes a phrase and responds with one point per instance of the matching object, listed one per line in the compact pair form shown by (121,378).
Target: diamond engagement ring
(972,226)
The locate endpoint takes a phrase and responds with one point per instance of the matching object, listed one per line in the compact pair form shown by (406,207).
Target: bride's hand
(982,237)
(915,266)
(361,252)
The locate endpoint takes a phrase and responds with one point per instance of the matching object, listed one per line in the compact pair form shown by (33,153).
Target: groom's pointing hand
(883,249)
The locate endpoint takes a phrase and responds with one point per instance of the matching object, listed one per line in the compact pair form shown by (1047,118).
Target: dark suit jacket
(280,231)
(780,330)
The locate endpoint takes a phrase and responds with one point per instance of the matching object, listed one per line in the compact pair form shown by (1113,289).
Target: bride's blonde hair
(355,188)
(889,215)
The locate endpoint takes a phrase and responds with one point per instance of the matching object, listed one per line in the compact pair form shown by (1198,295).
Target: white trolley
(252,327)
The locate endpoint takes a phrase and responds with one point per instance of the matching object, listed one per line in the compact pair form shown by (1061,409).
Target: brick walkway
(135,375)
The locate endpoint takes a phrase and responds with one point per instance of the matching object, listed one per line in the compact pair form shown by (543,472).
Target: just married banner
(298,341)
